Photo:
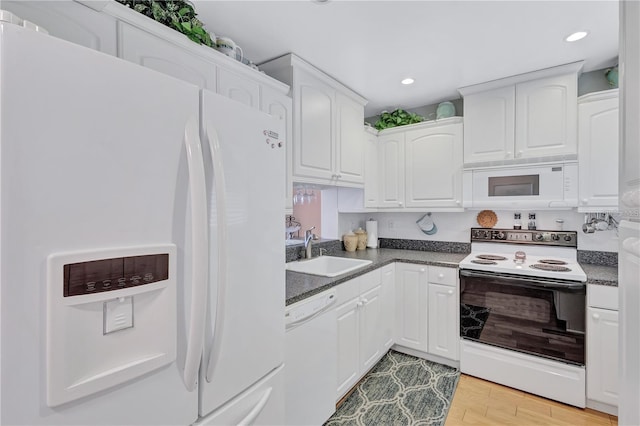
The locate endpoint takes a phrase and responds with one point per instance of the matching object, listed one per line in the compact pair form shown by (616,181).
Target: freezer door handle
(255,412)
(219,284)
(199,251)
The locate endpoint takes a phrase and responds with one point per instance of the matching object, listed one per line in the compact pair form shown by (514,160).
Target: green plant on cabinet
(177,14)
(398,117)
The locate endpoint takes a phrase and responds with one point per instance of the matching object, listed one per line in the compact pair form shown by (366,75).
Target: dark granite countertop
(300,286)
(600,274)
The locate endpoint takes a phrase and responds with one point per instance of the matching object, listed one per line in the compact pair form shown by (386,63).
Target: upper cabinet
(598,151)
(70,21)
(522,117)
(420,166)
(328,143)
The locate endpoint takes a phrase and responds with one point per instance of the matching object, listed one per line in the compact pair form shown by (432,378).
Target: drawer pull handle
(450,292)
(596,316)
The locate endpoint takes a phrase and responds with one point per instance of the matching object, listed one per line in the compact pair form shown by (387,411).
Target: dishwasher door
(311,359)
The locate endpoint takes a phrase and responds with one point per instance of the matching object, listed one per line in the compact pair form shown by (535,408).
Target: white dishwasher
(311,359)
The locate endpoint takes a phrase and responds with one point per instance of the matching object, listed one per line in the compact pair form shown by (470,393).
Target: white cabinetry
(391,170)
(598,151)
(522,117)
(388,279)
(70,21)
(328,144)
(602,348)
(443,318)
(371,175)
(433,162)
(151,51)
(411,306)
(361,341)
(420,166)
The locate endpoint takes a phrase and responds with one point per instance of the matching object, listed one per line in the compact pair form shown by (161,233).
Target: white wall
(455,226)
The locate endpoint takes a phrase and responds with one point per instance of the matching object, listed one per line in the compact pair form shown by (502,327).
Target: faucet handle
(322,251)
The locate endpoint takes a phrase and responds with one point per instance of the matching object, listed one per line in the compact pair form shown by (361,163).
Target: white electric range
(522,312)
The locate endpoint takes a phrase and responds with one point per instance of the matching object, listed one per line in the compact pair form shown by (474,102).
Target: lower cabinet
(411,306)
(602,356)
(426,315)
(602,348)
(362,320)
(443,318)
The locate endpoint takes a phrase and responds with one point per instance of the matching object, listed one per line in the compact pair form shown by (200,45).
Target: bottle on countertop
(517,224)
(532,221)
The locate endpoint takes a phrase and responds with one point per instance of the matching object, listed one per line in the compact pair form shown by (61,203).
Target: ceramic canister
(362,238)
(350,241)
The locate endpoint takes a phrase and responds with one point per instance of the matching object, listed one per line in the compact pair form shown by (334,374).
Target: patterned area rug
(400,390)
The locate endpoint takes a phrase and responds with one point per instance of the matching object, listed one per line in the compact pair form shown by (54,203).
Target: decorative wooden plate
(487,218)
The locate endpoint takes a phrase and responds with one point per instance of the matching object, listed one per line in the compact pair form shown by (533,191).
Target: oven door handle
(526,279)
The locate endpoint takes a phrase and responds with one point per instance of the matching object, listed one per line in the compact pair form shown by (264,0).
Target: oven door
(538,316)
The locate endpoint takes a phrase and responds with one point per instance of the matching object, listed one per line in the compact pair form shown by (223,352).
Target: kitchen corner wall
(455,226)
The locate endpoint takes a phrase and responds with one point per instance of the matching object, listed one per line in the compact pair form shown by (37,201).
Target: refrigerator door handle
(221,279)
(253,414)
(200,253)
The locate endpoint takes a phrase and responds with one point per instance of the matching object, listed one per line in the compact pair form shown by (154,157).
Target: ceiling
(370,46)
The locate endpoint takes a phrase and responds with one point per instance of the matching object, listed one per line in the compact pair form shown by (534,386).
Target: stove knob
(500,235)
(567,237)
(538,237)
(555,237)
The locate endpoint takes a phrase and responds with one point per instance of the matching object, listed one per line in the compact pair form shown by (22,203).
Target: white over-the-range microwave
(540,186)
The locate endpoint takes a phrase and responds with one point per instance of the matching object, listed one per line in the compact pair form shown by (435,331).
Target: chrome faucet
(308,236)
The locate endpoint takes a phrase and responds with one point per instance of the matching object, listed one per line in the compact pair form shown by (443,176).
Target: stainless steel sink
(327,266)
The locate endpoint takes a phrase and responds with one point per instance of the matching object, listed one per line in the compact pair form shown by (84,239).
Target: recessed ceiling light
(579,35)
(407,81)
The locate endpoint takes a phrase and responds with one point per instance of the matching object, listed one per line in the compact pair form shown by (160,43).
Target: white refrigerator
(141,277)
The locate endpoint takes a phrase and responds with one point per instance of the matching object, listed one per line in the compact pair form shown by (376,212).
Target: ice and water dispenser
(111,317)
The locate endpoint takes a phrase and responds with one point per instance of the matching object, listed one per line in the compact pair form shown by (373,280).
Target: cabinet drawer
(442,275)
(602,296)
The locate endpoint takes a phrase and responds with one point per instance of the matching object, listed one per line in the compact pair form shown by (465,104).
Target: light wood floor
(478,402)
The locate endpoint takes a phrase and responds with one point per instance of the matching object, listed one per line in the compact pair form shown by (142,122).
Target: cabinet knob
(365,301)
(596,316)
(338,175)
(508,154)
(359,304)
(519,154)
(423,270)
(440,275)
(585,201)
(450,292)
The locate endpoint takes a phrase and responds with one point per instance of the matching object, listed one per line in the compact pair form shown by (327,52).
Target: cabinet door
(314,133)
(238,88)
(433,164)
(371,326)
(388,304)
(371,183)
(152,52)
(598,153)
(69,21)
(411,306)
(546,117)
(602,355)
(391,169)
(489,125)
(443,321)
(348,346)
(349,141)
(280,105)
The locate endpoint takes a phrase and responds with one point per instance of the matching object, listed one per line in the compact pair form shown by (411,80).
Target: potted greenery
(177,14)
(398,117)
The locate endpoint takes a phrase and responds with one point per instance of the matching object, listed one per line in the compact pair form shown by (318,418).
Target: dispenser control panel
(114,274)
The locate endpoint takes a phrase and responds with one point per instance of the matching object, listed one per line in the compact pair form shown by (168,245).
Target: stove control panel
(524,236)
